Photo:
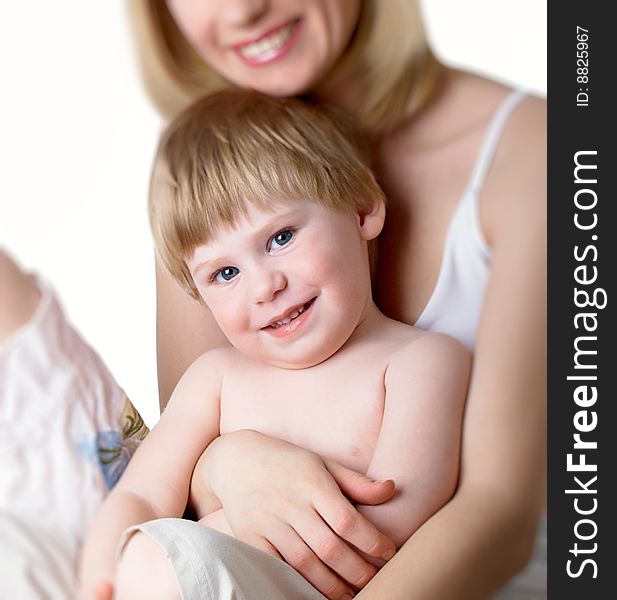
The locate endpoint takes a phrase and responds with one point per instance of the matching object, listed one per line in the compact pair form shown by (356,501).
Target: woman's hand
(103,590)
(289,502)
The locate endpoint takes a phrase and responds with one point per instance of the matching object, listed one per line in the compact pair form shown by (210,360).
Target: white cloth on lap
(210,565)
(67,431)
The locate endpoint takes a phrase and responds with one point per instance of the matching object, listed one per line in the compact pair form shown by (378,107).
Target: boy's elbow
(410,521)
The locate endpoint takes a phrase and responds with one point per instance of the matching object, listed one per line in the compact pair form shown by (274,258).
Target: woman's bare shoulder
(473,100)
(461,107)
(515,188)
(526,129)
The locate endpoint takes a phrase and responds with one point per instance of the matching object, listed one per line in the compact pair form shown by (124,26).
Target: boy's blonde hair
(389,53)
(238,146)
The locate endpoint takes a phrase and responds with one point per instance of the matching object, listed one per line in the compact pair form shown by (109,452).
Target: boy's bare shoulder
(426,353)
(203,378)
(217,360)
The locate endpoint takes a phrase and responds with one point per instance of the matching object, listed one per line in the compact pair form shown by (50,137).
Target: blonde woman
(462,161)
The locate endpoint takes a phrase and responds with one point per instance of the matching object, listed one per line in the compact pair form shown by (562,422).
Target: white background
(77,135)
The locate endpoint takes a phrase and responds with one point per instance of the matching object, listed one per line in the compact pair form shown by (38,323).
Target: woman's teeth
(290,318)
(267,44)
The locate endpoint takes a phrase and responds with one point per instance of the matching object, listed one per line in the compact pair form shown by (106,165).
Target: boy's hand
(289,502)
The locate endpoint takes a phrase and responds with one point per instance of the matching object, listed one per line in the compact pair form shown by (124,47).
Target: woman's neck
(343,91)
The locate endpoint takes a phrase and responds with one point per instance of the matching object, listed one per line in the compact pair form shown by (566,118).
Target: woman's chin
(282,84)
(281,89)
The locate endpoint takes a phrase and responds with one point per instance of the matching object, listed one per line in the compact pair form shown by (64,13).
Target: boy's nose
(266,285)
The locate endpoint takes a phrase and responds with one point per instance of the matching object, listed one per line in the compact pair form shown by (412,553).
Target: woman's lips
(270,46)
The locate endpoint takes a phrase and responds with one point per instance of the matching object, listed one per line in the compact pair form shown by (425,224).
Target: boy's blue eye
(226,274)
(281,238)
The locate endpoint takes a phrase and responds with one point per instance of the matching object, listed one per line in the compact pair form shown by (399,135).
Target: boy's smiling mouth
(290,317)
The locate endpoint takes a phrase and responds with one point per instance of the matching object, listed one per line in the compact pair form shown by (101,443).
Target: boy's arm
(420,437)
(156,481)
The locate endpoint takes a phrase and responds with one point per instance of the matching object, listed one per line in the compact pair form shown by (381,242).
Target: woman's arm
(185,329)
(485,534)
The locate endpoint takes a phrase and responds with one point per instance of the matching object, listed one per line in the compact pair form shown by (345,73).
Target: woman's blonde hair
(236,147)
(388,52)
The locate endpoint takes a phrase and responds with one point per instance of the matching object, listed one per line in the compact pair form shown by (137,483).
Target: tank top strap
(491,140)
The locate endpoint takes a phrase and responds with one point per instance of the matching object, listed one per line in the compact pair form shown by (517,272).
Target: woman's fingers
(298,555)
(359,487)
(103,590)
(333,551)
(349,525)
(19,296)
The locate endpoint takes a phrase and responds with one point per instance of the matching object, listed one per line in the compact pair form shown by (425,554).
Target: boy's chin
(293,361)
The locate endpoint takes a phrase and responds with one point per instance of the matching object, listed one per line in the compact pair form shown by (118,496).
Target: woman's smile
(271,46)
(280,47)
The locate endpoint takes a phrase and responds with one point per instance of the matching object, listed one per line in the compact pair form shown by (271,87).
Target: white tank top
(456,302)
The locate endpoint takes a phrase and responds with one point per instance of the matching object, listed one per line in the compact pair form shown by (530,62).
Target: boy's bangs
(211,189)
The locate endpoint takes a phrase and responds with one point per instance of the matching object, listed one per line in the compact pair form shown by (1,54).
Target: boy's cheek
(233,322)
(215,309)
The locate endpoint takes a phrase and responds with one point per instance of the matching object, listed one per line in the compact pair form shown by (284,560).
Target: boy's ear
(371,218)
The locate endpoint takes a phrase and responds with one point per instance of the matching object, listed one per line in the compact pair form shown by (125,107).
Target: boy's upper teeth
(269,43)
(288,319)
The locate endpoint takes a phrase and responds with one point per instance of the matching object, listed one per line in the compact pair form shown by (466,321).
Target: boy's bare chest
(335,413)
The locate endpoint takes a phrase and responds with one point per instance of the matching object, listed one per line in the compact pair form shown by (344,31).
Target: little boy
(264,209)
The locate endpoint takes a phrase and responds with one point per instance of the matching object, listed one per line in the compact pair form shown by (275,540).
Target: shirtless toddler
(264,209)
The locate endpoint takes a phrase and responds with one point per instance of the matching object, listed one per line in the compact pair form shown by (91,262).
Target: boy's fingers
(264,545)
(298,555)
(359,487)
(333,551)
(355,528)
